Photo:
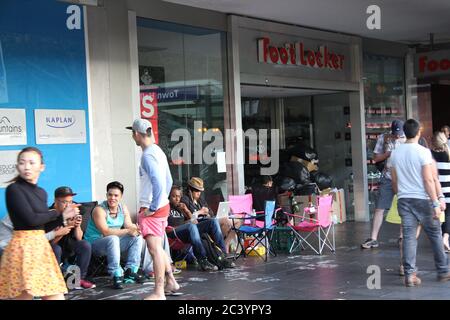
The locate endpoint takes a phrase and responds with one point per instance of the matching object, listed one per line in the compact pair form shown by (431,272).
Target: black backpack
(214,254)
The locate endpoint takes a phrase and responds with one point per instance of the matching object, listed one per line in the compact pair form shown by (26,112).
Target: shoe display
(413,280)
(117,282)
(370,243)
(132,277)
(205,265)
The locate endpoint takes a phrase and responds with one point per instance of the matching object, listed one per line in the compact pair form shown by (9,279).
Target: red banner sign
(149,110)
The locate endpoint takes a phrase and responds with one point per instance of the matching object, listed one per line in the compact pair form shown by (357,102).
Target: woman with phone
(28,267)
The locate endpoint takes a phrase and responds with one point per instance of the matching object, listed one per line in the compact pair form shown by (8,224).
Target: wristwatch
(441,196)
(436,204)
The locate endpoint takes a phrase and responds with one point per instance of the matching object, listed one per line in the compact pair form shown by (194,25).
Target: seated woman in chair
(199,208)
(111,233)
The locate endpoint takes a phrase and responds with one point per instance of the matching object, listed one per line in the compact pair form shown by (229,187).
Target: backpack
(214,254)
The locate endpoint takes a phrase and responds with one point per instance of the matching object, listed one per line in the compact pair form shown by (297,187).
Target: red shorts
(154,226)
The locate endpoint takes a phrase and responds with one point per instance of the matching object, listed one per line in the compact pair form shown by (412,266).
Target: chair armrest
(242,217)
(294,215)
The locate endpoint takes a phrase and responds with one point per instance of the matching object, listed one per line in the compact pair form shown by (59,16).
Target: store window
(182,70)
(384,99)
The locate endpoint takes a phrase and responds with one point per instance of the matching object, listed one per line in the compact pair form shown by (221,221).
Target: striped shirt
(443,166)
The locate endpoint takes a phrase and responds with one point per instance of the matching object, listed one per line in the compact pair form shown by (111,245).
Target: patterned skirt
(29,264)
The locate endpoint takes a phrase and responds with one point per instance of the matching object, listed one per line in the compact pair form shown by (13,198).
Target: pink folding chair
(241,205)
(319,224)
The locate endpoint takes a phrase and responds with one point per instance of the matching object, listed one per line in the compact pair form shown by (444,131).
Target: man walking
(413,181)
(386,143)
(156,182)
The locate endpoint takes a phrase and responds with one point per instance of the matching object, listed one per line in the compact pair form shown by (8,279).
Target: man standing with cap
(386,143)
(156,182)
(67,242)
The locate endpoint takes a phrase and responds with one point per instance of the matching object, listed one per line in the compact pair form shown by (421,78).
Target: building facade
(201,76)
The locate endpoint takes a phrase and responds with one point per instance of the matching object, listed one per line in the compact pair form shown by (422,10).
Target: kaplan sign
(60,126)
(298,54)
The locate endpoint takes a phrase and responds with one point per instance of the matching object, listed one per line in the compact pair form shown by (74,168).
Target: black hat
(397,127)
(64,192)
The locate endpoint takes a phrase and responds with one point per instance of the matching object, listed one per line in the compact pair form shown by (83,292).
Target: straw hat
(196,183)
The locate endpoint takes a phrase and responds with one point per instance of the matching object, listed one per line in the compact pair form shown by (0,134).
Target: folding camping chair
(177,245)
(319,224)
(262,234)
(98,264)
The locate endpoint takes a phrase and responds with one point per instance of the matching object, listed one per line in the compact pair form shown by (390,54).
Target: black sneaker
(205,265)
(132,277)
(117,283)
(227,263)
(370,243)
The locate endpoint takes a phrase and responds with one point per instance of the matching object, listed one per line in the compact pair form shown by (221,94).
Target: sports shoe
(205,265)
(444,277)
(132,277)
(85,284)
(117,282)
(401,270)
(175,271)
(413,280)
(228,264)
(370,243)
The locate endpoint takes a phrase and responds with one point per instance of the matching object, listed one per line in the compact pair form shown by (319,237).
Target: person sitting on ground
(68,241)
(111,233)
(188,229)
(199,208)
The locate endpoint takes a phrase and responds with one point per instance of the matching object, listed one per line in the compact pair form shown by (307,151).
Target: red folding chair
(319,224)
(176,244)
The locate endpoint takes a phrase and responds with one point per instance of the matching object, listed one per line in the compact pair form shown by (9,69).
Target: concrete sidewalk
(303,275)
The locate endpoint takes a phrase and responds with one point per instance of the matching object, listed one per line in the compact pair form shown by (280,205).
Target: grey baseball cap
(140,125)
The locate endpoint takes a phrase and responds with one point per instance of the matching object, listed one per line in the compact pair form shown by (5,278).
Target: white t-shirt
(383,146)
(408,160)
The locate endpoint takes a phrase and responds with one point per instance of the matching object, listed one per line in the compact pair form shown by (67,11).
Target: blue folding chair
(262,233)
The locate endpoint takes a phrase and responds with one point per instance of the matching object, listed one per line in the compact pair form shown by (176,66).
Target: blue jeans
(190,233)
(113,246)
(413,212)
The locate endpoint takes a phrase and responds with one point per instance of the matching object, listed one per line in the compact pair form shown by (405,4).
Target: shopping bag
(393,216)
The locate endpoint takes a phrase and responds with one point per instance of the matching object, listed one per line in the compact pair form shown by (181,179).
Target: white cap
(140,125)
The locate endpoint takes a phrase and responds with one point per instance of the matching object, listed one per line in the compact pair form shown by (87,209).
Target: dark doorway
(440,101)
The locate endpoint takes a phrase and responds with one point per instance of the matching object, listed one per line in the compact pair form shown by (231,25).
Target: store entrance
(440,101)
(316,121)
